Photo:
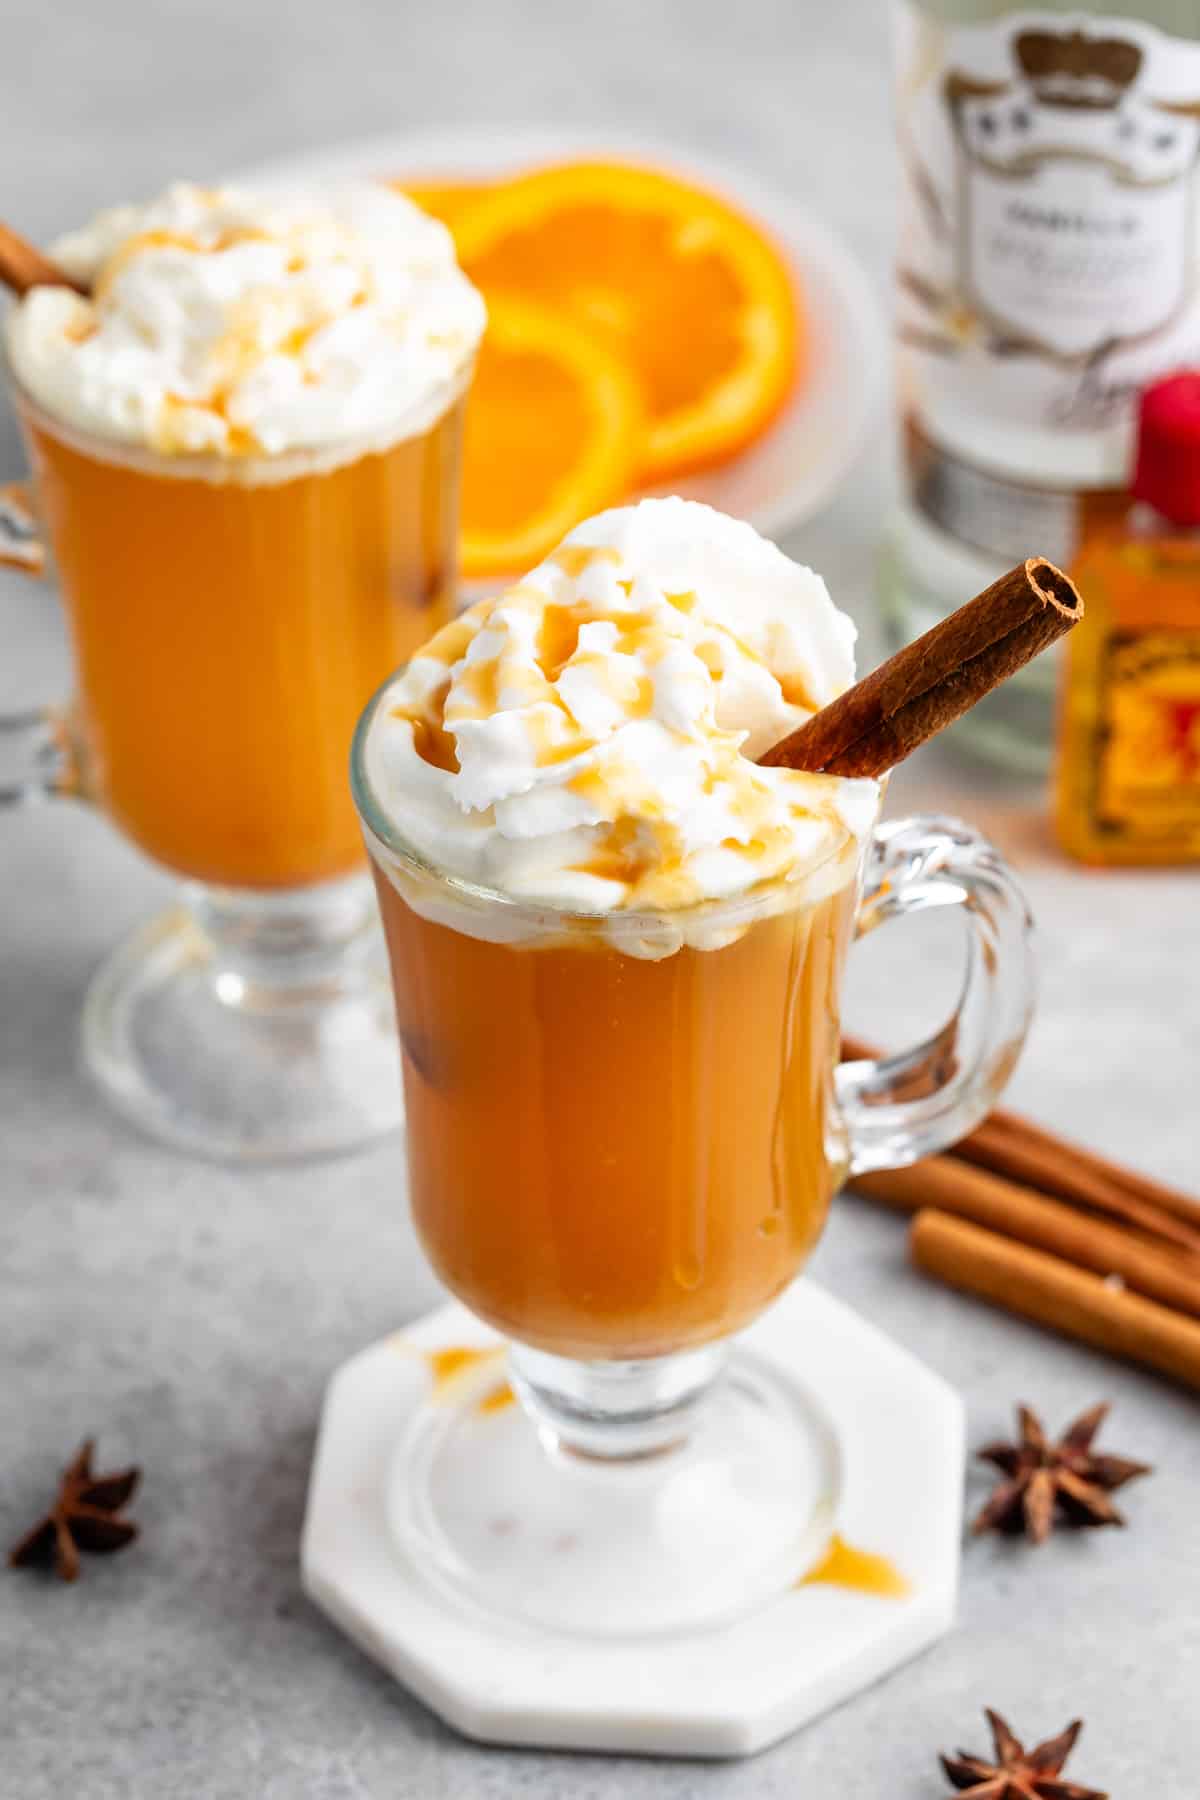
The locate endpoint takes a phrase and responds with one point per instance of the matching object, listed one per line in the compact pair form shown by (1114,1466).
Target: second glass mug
(228,620)
(624,1133)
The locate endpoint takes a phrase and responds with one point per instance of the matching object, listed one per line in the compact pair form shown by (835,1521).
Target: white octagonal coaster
(722,1691)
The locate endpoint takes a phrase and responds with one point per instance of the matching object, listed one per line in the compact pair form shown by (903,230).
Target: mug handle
(899,1108)
(36,758)
(20,545)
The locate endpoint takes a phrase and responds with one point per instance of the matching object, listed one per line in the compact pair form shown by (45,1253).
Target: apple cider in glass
(619,1069)
(245,435)
(229,623)
(658,1159)
(246,445)
(617,942)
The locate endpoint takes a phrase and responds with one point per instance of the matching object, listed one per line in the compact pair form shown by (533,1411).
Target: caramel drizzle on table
(843,1565)
(452,1362)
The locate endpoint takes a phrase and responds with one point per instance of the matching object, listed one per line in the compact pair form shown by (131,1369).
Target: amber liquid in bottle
(1128,787)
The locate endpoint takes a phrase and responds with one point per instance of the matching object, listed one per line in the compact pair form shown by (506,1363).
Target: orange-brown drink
(245,439)
(621,1134)
(658,1159)
(617,941)
(265,598)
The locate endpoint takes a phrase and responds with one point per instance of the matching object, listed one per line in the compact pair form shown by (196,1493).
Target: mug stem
(614,1411)
(252,1027)
(297,941)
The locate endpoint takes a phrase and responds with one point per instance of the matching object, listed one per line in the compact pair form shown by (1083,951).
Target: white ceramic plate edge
(796,467)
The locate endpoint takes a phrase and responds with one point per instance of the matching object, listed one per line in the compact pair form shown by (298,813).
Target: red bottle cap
(1167,473)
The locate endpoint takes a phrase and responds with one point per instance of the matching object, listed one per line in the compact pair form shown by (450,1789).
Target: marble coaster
(728,1690)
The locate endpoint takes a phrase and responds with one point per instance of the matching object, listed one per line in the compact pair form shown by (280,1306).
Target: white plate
(795,468)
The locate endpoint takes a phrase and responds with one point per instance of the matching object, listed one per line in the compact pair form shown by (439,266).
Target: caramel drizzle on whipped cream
(220,321)
(634,842)
(237,351)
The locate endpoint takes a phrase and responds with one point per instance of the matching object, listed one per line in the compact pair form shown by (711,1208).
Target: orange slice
(446,200)
(686,290)
(554,422)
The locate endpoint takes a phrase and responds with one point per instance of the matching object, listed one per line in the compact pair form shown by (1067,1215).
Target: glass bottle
(1045,276)
(1128,785)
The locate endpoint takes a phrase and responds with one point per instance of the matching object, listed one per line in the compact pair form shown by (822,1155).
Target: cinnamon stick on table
(1018,1148)
(1056,1294)
(934,680)
(22,266)
(1013,1211)
(1012,1146)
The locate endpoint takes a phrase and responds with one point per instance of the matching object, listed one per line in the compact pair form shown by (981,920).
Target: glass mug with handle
(236,581)
(624,1130)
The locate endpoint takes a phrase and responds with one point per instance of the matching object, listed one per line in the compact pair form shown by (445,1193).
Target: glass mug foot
(610,1543)
(250,1027)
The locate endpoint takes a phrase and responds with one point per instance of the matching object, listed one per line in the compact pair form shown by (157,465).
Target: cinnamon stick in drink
(931,682)
(22,266)
(1054,1293)
(1013,1211)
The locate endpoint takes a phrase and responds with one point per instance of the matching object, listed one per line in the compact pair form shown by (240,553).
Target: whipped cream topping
(221,322)
(586,740)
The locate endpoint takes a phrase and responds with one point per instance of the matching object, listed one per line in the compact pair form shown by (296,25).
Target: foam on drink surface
(586,739)
(240,326)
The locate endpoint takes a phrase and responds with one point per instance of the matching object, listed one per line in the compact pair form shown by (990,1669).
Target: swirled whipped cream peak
(586,739)
(228,323)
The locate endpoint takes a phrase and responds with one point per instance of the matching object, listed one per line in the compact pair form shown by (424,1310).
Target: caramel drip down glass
(229,618)
(624,1133)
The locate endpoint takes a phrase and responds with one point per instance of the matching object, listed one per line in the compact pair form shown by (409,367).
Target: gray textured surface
(190,1315)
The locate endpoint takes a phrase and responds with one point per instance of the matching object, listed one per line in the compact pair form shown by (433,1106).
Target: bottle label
(1148,773)
(1047,264)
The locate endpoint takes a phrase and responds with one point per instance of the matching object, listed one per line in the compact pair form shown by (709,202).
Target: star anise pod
(83,1517)
(1017,1773)
(1045,1483)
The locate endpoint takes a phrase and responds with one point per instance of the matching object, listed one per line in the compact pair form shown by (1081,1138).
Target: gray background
(190,1314)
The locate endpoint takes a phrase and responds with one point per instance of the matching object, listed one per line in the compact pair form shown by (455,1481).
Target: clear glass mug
(623,1136)
(229,618)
